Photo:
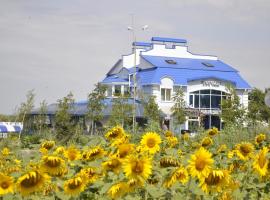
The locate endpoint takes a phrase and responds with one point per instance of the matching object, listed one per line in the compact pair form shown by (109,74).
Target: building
(165,64)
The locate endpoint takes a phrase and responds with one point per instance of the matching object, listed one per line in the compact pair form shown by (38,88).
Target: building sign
(211,112)
(210,83)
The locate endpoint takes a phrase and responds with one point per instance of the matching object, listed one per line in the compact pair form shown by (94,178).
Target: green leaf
(154,191)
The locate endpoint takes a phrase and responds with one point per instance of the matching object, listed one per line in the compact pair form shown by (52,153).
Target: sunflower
(185,136)
(125,149)
(59,150)
(31,182)
(244,150)
(118,190)
(94,153)
(48,144)
(53,165)
(260,138)
(5,151)
(6,184)
(206,142)
(137,167)
(222,148)
(150,141)
(113,164)
(215,181)
(172,141)
(133,184)
(74,186)
(89,174)
(169,162)
(168,134)
(114,133)
(200,164)
(72,153)
(180,174)
(213,131)
(261,161)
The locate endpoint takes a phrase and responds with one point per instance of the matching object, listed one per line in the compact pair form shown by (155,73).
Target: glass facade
(206,99)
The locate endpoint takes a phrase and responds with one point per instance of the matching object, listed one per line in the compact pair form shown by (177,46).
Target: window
(191,101)
(126,90)
(165,94)
(117,90)
(172,62)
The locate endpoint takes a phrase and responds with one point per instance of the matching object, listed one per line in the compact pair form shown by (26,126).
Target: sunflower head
(113,164)
(168,133)
(260,138)
(136,167)
(169,162)
(185,136)
(53,165)
(180,175)
(48,144)
(6,184)
(72,153)
(260,163)
(172,141)
(215,181)
(94,153)
(222,148)
(59,150)
(115,132)
(31,182)
(244,150)
(150,142)
(125,149)
(118,190)
(213,131)
(200,164)
(5,151)
(74,186)
(89,174)
(206,142)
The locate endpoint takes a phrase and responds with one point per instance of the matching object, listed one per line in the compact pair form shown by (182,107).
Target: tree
(121,113)
(63,123)
(25,109)
(232,111)
(178,109)
(42,117)
(257,110)
(151,112)
(96,105)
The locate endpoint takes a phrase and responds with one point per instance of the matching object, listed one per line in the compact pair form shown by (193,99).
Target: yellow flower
(48,144)
(113,164)
(133,184)
(185,136)
(172,141)
(206,142)
(72,153)
(74,186)
(89,175)
(118,190)
(200,164)
(213,131)
(59,150)
(125,149)
(94,153)
(6,184)
(180,174)
(43,151)
(31,182)
(260,163)
(53,165)
(150,142)
(168,134)
(123,140)
(169,162)
(114,133)
(222,148)
(244,150)
(5,151)
(137,167)
(225,196)
(260,138)
(215,181)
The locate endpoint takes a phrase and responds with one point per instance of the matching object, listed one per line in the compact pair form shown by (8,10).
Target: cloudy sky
(57,46)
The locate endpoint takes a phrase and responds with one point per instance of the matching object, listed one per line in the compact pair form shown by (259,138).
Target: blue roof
(143,44)
(113,79)
(188,63)
(183,76)
(3,129)
(17,128)
(164,39)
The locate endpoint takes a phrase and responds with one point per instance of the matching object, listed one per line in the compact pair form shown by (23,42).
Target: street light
(132,28)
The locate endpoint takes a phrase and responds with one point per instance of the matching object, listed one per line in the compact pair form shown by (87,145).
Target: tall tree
(151,113)
(63,123)
(25,109)
(232,112)
(96,105)
(42,117)
(178,109)
(121,113)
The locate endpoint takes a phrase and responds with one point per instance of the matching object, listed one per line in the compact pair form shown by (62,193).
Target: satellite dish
(267,98)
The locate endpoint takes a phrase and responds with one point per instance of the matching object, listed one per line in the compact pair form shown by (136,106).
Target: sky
(58,46)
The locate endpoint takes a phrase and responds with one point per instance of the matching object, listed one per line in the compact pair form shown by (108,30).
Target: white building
(164,65)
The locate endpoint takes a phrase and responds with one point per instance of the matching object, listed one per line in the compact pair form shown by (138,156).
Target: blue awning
(3,129)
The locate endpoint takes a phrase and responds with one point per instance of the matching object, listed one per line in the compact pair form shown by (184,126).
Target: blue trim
(142,44)
(3,129)
(163,39)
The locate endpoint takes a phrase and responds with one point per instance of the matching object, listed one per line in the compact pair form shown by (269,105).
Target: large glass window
(166,94)
(206,99)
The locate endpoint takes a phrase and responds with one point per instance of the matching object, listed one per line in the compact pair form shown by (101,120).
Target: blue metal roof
(142,44)
(164,39)
(188,63)
(3,129)
(114,79)
(183,76)
(17,128)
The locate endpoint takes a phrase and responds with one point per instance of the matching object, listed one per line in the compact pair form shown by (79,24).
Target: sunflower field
(147,166)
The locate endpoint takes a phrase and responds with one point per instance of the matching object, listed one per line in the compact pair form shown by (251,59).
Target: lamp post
(132,29)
